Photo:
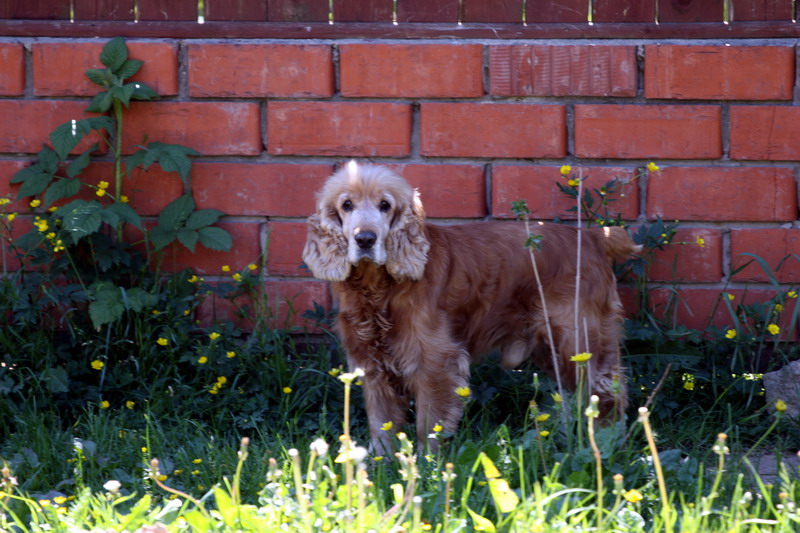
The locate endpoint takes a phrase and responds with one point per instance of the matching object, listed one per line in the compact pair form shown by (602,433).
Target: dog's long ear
(325,252)
(407,244)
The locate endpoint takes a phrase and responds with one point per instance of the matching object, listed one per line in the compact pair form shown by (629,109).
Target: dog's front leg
(386,407)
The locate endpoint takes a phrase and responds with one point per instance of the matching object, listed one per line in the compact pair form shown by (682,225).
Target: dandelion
(287,390)
(202,359)
(774,329)
(230,355)
(319,447)
(98,365)
(581,357)
(699,241)
(144,449)
(226,268)
(544,433)
(105,404)
(214,335)
(464,392)
(730,334)
(437,428)
(721,447)
(252,266)
(161,341)
(543,417)
(652,167)
(781,406)
(237,277)
(195,472)
(112,486)
(197,461)
(565,170)
(60,500)
(633,496)
(35,202)
(387,426)
(349,377)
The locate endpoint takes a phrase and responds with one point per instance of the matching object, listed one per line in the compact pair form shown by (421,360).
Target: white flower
(319,447)
(112,486)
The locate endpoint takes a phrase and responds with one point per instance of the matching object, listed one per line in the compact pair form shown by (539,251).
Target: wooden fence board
(298,10)
(427,11)
(103,9)
(167,9)
(624,11)
(762,10)
(492,11)
(690,11)
(34,9)
(557,11)
(362,11)
(253,10)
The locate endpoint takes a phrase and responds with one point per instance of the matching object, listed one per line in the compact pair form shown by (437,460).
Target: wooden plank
(33,9)
(624,11)
(362,10)
(168,10)
(492,11)
(762,10)
(427,11)
(557,11)
(298,11)
(103,9)
(235,10)
(690,10)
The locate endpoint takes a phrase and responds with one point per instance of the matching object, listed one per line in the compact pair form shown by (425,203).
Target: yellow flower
(35,202)
(100,192)
(104,404)
(544,433)
(287,390)
(197,461)
(333,372)
(44,503)
(778,308)
(124,199)
(252,266)
(573,183)
(557,398)
(437,428)
(226,268)
(543,417)
(701,242)
(60,500)
(790,294)
(730,296)
(193,279)
(51,235)
(633,496)
(780,406)
(156,312)
(53,209)
(202,359)
(59,246)
(102,185)
(237,277)
(5,201)
(11,216)
(565,170)
(130,404)
(97,364)
(161,341)
(464,392)
(581,357)
(230,355)
(387,426)
(774,329)
(730,334)
(688,384)
(214,335)
(162,477)
(42,225)
(652,167)
(222,380)
(144,449)
(378,458)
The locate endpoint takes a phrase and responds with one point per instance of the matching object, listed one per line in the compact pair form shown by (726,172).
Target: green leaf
(505,498)
(100,103)
(99,76)
(62,188)
(48,159)
(126,214)
(481,523)
(35,181)
(81,218)
(105,311)
(142,91)
(188,238)
(129,68)
(138,299)
(215,238)
(67,136)
(56,378)
(173,158)
(176,213)
(114,54)
(203,218)
(161,237)
(123,94)
(81,162)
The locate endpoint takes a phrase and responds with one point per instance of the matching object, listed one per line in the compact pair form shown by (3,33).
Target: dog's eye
(347,206)
(384,206)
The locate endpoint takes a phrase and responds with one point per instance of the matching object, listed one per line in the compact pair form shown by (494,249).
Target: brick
(212,128)
(59,68)
(9,190)
(493,130)
(537,186)
(637,131)
(684,260)
(12,69)
(285,190)
(21,225)
(448,191)
(544,70)
(719,72)
(149,192)
(247,71)
(246,249)
(716,193)
(776,246)
(28,123)
(411,70)
(356,129)
(765,133)
(285,253)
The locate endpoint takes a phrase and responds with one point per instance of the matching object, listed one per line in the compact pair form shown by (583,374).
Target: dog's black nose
(365,239)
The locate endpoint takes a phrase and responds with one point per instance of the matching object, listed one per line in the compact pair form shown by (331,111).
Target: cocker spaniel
(418,302)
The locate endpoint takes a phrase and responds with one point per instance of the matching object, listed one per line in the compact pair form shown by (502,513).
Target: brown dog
(419,302)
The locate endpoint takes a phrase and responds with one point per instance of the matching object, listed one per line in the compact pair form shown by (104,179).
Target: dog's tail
(617,243)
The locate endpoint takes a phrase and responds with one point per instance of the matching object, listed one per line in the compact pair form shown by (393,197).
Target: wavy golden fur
(418,302)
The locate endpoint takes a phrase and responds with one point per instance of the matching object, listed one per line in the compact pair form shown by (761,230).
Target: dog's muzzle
(365,240)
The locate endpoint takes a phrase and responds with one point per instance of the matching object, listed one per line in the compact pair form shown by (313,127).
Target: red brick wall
(474,125)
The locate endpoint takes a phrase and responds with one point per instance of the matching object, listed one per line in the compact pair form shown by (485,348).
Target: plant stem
(644,418)
(118,174)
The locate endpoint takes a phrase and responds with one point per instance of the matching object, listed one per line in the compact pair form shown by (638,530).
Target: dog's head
(366,213)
